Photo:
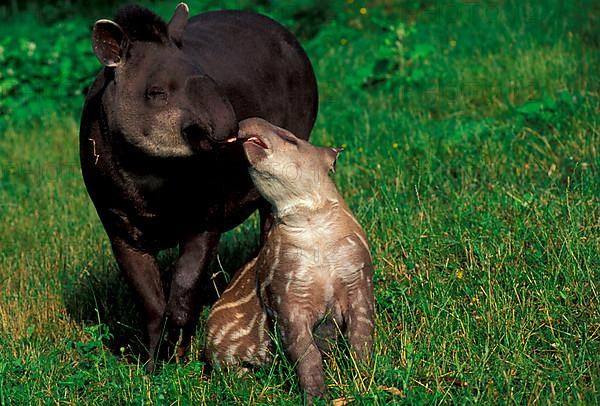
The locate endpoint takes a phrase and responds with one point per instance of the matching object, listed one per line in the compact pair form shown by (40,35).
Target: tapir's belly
(167,210)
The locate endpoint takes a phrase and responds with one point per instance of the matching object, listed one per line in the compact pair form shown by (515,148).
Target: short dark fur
(141,24)
(152,143)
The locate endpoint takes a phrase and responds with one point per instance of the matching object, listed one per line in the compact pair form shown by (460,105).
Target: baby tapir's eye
(156,93)
(288,138)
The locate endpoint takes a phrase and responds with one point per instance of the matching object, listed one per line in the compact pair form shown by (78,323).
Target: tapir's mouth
(255,147)
(257,141)
(252,139)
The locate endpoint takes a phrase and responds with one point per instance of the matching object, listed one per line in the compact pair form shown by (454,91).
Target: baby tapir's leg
(303,352)
(237,325)
(360,318)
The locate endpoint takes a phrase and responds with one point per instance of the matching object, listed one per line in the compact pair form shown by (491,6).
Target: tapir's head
(159,101)
(287,170)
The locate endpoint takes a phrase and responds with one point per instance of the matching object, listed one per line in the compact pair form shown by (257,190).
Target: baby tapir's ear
(331,155)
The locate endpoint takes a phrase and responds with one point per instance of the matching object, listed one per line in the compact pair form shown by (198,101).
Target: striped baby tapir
(312,278)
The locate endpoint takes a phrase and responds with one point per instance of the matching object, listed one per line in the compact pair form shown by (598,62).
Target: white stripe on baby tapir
(238,302)
(242,272)
(362,271)
(231,354)
(261,328)
(250,351)
(220,334)
(244,331)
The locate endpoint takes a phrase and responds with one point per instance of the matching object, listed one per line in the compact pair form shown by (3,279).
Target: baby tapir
(313,275)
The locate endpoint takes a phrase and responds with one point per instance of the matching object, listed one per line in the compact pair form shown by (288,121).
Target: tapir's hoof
(150,366)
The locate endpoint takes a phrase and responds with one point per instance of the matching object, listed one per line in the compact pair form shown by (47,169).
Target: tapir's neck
(310,213)
(313,201)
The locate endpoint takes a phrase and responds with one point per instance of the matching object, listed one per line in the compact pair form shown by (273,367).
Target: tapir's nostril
(197,137)
(194,132)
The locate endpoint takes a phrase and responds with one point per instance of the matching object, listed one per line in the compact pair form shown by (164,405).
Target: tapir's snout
(213,119)
(198,137)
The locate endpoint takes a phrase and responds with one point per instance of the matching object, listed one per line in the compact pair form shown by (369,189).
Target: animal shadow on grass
(102,295)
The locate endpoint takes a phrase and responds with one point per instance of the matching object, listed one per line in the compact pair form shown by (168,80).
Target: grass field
(471,135)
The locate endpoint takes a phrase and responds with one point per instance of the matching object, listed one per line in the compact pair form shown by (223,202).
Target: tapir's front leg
(183,307)
(141,270)
(303,352)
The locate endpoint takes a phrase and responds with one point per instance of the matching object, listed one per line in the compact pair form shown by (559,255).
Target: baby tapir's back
(237,325)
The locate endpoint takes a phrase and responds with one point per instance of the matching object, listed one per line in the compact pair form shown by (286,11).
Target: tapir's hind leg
(360,322)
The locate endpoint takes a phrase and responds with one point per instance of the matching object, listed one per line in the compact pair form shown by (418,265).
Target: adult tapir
(156,142)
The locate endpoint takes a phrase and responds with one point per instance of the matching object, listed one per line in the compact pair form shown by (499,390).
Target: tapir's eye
(288,138)
(156,94)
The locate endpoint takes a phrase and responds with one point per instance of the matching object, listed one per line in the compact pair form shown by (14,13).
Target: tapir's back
(259,64)
(236,328)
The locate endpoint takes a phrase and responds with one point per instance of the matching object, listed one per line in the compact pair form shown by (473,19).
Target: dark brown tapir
(154,143)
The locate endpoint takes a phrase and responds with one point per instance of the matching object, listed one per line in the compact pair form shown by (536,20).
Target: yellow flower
(459,274)
(452,43)
(395,145)
(363,10)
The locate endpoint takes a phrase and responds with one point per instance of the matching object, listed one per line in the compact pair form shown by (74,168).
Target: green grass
(478,188)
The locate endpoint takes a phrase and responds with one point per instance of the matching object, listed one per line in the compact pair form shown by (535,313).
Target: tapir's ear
(178,23)
(204,93)
(109,43)
(331,155)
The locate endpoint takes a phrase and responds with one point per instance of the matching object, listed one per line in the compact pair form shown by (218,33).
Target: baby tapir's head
(287,170)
